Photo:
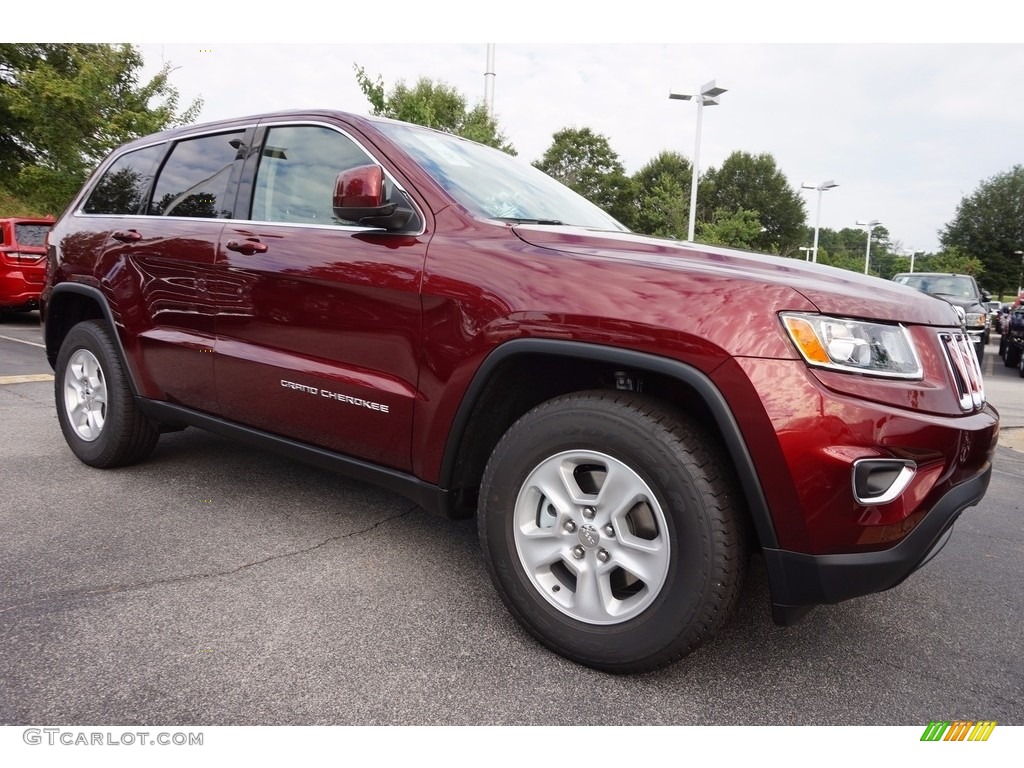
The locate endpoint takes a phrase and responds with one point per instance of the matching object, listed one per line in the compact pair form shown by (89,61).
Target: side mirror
(360,196)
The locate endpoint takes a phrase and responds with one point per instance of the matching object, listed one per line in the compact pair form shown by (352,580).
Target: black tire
(1020,367)
(97,413)
(1002,345)
(680,509)
(1012,357)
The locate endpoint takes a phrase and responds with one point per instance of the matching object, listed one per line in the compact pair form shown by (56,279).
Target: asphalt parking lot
(218,585)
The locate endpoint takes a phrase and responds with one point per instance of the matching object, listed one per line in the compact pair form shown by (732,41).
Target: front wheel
(97,413)
(612,530)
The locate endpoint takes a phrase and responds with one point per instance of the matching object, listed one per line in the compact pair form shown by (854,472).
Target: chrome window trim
(283,123)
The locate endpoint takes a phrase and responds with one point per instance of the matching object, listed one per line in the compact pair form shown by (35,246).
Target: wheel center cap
(589,536)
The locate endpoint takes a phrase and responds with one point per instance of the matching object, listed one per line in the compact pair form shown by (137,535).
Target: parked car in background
(22,262)
(994,308)
(1000,323)
(962,292)
(1011,343)
(434,315)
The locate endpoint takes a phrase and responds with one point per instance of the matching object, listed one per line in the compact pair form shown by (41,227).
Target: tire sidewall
(93,338)
(675,616)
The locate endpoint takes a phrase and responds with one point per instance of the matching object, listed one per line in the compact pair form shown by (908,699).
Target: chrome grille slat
(963,365)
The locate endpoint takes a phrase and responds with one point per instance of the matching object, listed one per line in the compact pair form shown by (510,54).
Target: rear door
(168,256)
(317,319)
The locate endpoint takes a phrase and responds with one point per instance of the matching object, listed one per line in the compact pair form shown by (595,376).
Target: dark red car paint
(244,321)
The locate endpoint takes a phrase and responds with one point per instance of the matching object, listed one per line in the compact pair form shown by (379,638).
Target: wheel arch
(71,303)
(506,386)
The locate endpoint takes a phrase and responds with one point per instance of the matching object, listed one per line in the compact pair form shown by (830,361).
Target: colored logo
(958,730)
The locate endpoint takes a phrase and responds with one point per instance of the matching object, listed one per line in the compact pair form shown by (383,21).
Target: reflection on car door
(318,321)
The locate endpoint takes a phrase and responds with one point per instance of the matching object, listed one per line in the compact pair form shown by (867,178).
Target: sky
(906,112)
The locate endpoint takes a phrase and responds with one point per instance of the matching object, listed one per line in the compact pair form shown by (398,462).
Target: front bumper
(800,581)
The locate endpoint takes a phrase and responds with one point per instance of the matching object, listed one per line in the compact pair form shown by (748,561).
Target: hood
(832,291)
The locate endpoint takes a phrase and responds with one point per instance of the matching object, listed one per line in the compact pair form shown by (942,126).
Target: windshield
(493,184)
(31,234)
(941,285)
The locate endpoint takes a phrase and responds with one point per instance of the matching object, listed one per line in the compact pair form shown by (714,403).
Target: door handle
(247,247)
(127,235)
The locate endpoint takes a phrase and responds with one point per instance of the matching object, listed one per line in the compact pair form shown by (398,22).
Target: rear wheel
(97,413)
(612,531)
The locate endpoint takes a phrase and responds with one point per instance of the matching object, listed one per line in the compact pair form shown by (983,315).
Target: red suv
(22,262)
(428,313)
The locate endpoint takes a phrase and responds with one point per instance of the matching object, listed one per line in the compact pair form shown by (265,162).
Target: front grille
(963,364)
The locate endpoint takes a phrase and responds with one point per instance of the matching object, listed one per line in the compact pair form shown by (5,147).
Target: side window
(194,180)
(297,169)
(123,187)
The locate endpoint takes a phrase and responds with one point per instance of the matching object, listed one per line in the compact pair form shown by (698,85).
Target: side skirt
(433,499)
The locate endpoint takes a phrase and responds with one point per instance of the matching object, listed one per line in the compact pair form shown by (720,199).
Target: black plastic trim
(800,581)
(430,497)
(712,397)
(53,348)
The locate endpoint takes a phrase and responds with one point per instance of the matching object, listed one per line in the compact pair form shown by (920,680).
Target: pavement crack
(113,589)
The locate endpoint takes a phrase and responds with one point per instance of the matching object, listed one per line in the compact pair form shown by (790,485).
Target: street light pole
(709,93)
(913,253)
(807,252)
(1020,280)
(823,187)
(867,254)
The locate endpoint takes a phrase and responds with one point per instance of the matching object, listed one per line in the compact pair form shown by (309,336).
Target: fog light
(879,481)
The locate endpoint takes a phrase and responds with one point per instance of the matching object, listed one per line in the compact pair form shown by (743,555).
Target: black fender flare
(96,295)
(629,359)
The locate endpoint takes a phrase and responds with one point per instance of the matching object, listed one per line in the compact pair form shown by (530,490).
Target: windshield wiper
(518,220)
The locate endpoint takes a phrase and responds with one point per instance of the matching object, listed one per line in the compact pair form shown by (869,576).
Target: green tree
(747,182)
(736,229)
(846,249)
(434,105)
(951,259)
(989,226)
(660,205)
(585,162)
(67,106)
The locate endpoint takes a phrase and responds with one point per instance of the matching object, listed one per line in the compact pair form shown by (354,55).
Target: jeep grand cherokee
(428,313)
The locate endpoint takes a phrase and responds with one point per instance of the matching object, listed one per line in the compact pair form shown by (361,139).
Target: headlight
(975,320)
(853,345)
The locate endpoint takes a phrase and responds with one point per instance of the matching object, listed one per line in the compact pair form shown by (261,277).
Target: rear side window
(123,187)
(297,170)
(194,180)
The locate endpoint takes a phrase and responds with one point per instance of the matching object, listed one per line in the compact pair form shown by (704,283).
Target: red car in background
(22,262)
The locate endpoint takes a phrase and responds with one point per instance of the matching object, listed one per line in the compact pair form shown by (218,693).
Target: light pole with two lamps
(709,93)
(823,187)
(807,252)
(867,254)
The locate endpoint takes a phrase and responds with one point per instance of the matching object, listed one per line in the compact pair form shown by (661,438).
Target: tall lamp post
(1020,280)
(867,254)
(823,187)
(709,93)
(807,252)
